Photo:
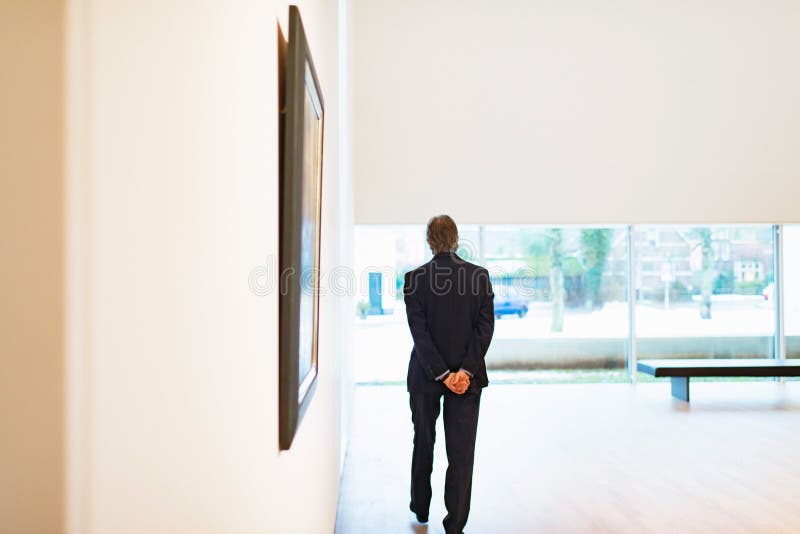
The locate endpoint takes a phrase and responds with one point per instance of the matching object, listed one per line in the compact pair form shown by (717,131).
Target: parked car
(510,303)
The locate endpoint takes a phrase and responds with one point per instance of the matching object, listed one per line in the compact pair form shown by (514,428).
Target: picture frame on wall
(301,137)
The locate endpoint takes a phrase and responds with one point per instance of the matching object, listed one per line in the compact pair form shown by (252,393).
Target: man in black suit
(450,310)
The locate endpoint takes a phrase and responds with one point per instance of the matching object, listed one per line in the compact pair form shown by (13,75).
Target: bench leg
(680,387)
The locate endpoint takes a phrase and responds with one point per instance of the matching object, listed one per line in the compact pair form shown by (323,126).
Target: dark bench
(681,370)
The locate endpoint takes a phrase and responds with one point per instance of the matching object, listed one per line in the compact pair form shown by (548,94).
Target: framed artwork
(302,120)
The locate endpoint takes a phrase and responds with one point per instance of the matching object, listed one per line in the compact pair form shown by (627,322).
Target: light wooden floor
(592,458)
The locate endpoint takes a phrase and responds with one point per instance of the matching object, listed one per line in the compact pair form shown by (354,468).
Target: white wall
(347,257)
(32,470)
(533,111)
(173,201)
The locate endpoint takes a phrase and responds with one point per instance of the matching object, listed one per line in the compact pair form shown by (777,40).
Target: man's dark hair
(442,234)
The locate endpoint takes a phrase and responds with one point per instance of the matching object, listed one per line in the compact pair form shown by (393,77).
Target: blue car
(509,303)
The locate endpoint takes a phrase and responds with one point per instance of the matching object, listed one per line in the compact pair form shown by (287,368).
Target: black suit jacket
(450,310)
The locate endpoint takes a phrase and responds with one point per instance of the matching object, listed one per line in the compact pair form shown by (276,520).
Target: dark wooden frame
(294,64)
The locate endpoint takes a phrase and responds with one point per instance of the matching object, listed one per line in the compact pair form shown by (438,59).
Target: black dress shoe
(421,518)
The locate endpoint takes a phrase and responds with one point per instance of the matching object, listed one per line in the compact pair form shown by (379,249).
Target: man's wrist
(465,371)
(442,376)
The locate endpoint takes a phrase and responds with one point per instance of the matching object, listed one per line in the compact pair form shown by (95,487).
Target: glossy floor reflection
(591,458)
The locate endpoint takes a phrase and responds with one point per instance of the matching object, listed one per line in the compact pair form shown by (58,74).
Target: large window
(560,300)
(704,292)
(561,296)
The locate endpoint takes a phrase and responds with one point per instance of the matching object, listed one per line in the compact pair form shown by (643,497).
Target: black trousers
(460,427)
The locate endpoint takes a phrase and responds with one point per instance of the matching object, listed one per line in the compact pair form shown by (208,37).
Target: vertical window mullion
(631,348)
(777,292)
